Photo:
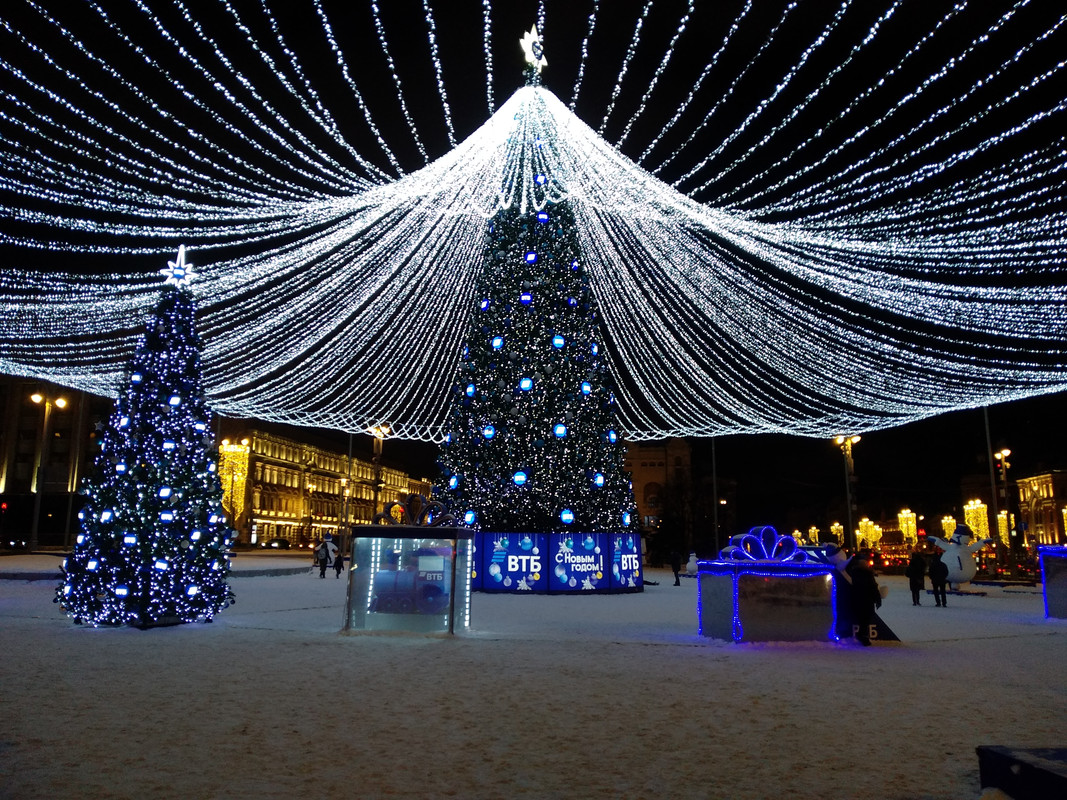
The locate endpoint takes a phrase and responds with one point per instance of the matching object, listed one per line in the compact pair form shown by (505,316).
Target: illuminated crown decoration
(763,543)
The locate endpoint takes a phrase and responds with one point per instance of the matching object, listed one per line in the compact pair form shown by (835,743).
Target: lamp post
(40,458)
(379,432)
(1002,461)
(845,443)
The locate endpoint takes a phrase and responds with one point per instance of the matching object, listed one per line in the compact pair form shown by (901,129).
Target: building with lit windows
(46,446)
(278,487)
(1043,506)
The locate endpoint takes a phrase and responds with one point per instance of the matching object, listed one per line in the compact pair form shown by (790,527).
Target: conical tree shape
(153,541)
(533,443)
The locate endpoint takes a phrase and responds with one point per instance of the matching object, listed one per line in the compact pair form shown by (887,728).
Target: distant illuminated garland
(859,278)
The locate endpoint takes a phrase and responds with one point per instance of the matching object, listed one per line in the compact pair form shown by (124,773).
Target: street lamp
(845,443)
(40,458)
(1002,461)
(379,432)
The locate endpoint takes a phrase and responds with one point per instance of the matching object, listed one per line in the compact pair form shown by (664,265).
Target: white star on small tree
(533,49)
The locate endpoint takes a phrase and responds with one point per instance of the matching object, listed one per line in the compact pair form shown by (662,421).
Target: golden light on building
(233,474)
(948,525)
(908,522)
(976,517)
(813,534)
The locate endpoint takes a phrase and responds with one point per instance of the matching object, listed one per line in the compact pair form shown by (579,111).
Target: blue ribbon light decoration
(762,543)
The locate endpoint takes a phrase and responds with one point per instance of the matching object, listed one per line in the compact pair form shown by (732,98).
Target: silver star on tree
(533,49)
(178,272)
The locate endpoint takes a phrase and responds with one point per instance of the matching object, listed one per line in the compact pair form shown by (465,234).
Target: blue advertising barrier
(558,563)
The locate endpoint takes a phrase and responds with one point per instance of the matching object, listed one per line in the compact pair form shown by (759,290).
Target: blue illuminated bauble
(519,478)
(595,349)
(560,430)
(587,387)
(484,305)
(448,438)
(175,400)
(164,491)
(572,302)
(498,342)
(200,427)
(542,216)
(120,468)
(566,516)
(574,265)
(598,479)
(169,444)
(558,341)
(526,298)
(122,591)
(613,437)
(531,257)
(453,482)
(526,384)
(489,431)
(469,517)
(626,518)
(541,179)
(470,390)
(129,538)
(136,377)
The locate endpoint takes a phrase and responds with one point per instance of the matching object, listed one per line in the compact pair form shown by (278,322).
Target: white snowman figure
(959,554)
(691,567)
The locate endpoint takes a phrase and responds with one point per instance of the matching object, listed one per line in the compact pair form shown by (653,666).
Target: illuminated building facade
(277,487)
(1042,504)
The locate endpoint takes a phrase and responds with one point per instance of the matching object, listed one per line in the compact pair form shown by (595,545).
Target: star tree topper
(534,49)
(178,272)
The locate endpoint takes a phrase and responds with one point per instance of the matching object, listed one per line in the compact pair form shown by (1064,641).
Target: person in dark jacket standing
(916,570)
(339,563)
(676,566)
(865,594)
(938,579)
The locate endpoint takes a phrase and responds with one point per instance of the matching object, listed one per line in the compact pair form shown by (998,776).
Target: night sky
(786,481)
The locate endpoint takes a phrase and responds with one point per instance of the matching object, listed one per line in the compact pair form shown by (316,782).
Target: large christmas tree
(153,543)
(533,457)
(533,444)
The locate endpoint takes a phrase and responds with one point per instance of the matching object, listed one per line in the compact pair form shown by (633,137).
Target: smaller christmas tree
(153,544)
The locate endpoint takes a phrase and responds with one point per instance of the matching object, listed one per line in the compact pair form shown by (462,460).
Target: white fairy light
(872,282)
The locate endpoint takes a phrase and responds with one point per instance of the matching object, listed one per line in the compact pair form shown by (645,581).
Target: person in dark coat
(676,566)
(938,579)
(916,571)
(865,594)
(338,563)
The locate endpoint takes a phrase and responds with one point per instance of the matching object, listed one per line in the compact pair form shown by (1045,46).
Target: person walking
(865,594)
(938,579)
(916,571)
(339,563)
(676,566)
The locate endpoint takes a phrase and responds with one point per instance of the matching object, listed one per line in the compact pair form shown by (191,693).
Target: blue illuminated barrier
(557,563)
(764,588)
(1054,579)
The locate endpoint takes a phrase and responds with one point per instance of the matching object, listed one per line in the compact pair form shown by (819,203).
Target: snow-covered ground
(549,697)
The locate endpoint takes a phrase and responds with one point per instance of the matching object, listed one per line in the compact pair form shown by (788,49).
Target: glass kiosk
(409,579)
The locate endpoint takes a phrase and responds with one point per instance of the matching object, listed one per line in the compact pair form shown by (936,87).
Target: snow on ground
(548,697)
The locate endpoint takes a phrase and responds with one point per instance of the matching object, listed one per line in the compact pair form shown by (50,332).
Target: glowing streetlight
(40,458)
(845,443)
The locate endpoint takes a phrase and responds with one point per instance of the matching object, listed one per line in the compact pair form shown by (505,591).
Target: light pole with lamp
(379,432)
(40,459)
(845,443)
(1002,461)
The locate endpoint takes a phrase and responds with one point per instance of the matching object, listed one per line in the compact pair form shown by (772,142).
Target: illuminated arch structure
(811,219)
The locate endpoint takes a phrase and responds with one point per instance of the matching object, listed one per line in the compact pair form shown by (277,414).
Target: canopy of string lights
(796,217)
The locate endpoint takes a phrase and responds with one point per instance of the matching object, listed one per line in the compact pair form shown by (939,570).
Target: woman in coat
(916,571)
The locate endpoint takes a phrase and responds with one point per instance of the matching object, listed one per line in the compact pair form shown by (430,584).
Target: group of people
(916,573)
(866,595)
(327,555)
